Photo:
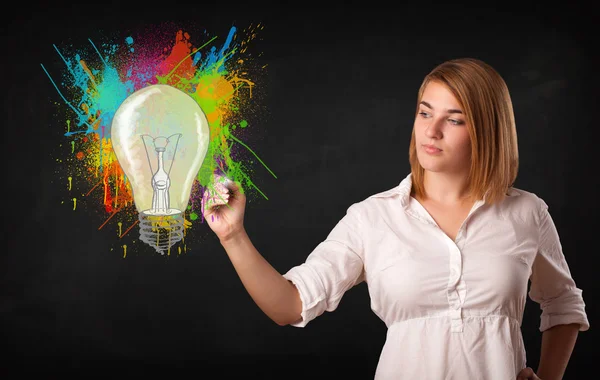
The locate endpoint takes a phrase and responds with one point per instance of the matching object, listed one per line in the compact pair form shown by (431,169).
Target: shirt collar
(403,190)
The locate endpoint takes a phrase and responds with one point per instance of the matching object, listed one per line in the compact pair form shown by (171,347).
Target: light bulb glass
(160,137)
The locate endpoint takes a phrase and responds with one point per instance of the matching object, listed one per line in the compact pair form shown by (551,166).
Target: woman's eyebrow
(448,111)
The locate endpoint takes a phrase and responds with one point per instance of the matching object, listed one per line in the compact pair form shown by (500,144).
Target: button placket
(456,323)
(455,287)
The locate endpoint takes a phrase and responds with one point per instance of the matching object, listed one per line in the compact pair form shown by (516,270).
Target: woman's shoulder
(378,205)
(401,192)
(524,204)
(523,197)
(376,199)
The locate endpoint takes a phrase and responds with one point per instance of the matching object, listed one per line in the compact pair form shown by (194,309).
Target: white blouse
(453,309)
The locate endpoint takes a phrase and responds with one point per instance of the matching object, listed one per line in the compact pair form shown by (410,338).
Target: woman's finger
(526,373)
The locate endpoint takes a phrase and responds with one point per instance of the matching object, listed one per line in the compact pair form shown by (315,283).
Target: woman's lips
(431,149)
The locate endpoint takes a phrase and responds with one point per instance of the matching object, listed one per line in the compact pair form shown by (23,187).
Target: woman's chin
(429,166)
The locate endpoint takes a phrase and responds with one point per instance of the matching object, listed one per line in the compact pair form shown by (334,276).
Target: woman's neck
(446,189)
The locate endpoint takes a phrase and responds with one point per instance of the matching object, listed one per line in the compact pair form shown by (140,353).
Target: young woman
(447,254)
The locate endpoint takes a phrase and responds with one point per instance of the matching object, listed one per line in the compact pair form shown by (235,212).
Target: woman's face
(441,134)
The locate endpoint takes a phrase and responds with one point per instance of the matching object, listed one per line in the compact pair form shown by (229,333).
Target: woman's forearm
(557,345)
(274,294)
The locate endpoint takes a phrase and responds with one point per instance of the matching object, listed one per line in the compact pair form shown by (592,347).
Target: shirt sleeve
(333,267)
(552,285)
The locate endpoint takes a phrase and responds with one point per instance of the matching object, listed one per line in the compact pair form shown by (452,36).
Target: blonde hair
(487,106)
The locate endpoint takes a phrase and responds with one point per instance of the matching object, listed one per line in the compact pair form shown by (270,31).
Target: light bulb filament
(160,185)
(160,179)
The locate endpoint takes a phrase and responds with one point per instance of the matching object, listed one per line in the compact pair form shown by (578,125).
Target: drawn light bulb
(160,137)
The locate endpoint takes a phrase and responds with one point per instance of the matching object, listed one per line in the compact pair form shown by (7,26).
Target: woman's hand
(223,207)
(527,373)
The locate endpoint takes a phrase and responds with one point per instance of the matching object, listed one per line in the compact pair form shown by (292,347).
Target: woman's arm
(561,301)
(557,345)
(223,207)
(277,297)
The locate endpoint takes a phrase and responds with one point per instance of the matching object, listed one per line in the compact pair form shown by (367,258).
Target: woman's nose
(434,130)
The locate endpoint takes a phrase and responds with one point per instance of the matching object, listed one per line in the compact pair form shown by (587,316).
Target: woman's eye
(455,122)
(424,114)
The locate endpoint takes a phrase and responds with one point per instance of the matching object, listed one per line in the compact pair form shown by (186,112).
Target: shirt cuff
(312,299)
(565,309)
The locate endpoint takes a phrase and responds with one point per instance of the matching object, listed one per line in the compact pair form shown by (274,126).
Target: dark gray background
(334,126)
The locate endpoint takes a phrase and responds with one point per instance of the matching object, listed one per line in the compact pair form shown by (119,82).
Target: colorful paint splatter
(219,73)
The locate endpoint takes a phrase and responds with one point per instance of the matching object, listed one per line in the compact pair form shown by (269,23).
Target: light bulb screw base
(161,231)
